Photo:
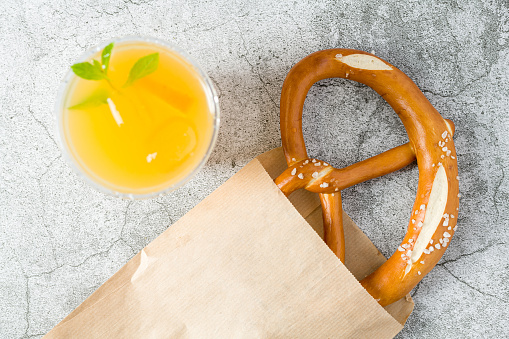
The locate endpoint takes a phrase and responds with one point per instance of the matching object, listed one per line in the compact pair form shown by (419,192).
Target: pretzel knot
(434,214)
(311,174)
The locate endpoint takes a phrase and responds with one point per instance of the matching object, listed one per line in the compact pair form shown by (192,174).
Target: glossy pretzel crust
(430,142)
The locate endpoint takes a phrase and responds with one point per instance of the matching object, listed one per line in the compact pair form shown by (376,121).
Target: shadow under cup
(68,132)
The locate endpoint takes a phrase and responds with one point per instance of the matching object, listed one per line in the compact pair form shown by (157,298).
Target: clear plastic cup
(95,180)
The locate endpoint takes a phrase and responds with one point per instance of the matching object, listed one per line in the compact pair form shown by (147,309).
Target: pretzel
(433,217)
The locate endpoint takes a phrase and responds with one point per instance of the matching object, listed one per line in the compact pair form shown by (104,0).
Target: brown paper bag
(244,263)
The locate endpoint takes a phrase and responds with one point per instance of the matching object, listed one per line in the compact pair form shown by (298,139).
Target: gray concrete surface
(60,240)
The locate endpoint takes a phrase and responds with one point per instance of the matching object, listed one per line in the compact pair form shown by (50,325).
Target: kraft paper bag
(246,262)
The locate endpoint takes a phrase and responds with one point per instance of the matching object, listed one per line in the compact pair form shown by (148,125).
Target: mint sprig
(143,67)
(96,70)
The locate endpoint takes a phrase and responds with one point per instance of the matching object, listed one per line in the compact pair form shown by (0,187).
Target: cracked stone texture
(60,240)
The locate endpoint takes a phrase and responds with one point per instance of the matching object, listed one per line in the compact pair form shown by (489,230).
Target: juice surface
(165,126)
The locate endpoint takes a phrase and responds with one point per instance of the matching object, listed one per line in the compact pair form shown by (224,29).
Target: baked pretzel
(433,217)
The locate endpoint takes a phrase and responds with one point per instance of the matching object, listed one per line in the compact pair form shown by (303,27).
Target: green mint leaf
(143,67)
(96,99)
(105,57)
(88,71)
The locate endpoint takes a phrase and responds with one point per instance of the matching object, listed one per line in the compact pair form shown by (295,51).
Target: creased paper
(246,262)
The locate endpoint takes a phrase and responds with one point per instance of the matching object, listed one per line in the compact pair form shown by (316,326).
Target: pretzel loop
(433,216)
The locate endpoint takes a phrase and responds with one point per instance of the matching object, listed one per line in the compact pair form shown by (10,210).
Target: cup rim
(208,86)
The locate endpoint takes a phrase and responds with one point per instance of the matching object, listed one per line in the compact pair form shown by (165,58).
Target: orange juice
(144,137)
